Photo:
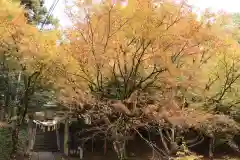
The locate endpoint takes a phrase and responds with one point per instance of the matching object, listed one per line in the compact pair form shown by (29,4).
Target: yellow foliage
(32,49)
(169,35)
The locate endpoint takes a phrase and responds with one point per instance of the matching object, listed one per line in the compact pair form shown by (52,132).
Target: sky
(227,5)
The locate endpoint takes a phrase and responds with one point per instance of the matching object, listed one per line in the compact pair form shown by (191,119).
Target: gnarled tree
(132,65)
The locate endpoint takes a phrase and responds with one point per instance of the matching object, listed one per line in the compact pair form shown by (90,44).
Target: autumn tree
(133,66)
(26,56)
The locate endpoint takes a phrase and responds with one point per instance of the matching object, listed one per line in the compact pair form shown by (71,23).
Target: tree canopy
(152,66)
(152,60)
(26,53)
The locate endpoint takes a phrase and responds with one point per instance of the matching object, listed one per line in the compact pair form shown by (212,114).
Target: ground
(58,156)
(42,156)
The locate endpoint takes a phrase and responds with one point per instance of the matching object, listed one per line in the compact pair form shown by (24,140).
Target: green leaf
(10,17)
(180,78)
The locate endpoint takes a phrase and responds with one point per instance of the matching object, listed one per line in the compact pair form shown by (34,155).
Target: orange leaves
(146,37)
(19,20)
(116,51)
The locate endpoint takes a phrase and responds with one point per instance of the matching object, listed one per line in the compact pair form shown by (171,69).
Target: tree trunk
(164,142)
(15,133)
(2,114)
(211,148)
(119,147)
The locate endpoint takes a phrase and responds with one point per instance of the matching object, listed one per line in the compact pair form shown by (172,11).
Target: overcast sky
(228,5)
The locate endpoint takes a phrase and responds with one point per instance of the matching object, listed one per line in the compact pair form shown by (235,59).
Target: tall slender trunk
(2,114)
(211,147)
(18,84)
(15,133)
(16,123)
(5,73)
(7,108)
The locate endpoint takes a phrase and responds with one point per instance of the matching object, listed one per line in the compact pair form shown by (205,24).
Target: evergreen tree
(37,13)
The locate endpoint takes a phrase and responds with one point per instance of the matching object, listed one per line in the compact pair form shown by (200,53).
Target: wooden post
(80,152)
(30,135)
(33,138)
(58,138)
(66,136)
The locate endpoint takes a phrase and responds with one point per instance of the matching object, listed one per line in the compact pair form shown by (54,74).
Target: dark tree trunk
(211,147)
(2,114)
(15,133)
(119,147)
